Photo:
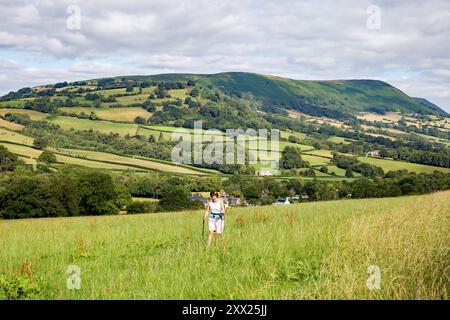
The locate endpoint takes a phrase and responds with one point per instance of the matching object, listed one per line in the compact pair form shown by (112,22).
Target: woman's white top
(215,206)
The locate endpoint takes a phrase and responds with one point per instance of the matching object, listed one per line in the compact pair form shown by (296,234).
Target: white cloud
(301,39)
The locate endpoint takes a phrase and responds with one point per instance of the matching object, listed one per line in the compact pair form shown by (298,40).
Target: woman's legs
(210,237)
(214,230)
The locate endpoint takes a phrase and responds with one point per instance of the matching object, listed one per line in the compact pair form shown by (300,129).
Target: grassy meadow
(112,114)
(107,127)
(318,250)
(130,161)
(393,165)
(34,115)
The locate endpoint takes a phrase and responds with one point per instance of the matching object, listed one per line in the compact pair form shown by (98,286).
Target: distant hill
(339,99)
(429,104)
(334,98)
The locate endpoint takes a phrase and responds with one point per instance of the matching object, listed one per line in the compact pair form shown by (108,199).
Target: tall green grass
(308,251)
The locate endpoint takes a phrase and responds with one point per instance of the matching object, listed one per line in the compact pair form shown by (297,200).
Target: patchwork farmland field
(129,161)
(15,137)
(101,126)
(34,115)
(32,154)
(388,165)
(10,125)
(112,114)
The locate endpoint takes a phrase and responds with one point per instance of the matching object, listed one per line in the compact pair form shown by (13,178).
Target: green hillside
(334,98)
(136,116)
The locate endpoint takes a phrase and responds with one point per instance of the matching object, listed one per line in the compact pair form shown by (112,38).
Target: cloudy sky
(406,43)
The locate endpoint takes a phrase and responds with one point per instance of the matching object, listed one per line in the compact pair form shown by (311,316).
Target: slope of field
(338,97)
(112,114)
(10,125)
(15,137)
(102,126)
(316,250)
(34,115)
(393,165)
(32,154)
(129,161)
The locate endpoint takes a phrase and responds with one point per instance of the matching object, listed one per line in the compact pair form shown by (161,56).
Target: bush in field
(174,198)
(17,288)
(123,197)
(40,143)
(47,157)
(140,120)
(142,207)
(291,158)
(8,160)
(97,193)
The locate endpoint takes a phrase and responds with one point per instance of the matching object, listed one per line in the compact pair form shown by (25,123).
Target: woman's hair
(214,193)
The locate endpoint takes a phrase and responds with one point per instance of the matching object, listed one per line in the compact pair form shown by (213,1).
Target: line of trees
(76,192)
(350,163)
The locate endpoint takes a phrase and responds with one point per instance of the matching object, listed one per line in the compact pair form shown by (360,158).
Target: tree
(40,142)
(97,194)
(175,198)
(8,160)
(161,137)
(93,116)
(151,139)
(295,185)
(324,169)
(194,92)
(161,92)
(293,139)
(291,158)
(47,157)
(148,105)
(123,197)
(275,188)
(140,120)
(349,172)
(142,207)
(37,196)
(129,88)
(383,153)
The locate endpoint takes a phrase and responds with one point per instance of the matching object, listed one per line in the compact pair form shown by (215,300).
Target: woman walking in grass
(216,208)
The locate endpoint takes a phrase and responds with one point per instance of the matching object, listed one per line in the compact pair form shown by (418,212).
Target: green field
(34,115)
(316,250)
(339,140)
(316,161)
(321,153)
(101,126)
(393,165)
(32,154)
(15,137)
(128,161)
(145,131)
(10,125)
(112,114)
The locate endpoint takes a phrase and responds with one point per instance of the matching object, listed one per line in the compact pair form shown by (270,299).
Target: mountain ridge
(333,98)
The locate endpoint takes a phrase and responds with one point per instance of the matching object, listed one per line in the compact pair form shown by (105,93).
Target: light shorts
(216,225)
